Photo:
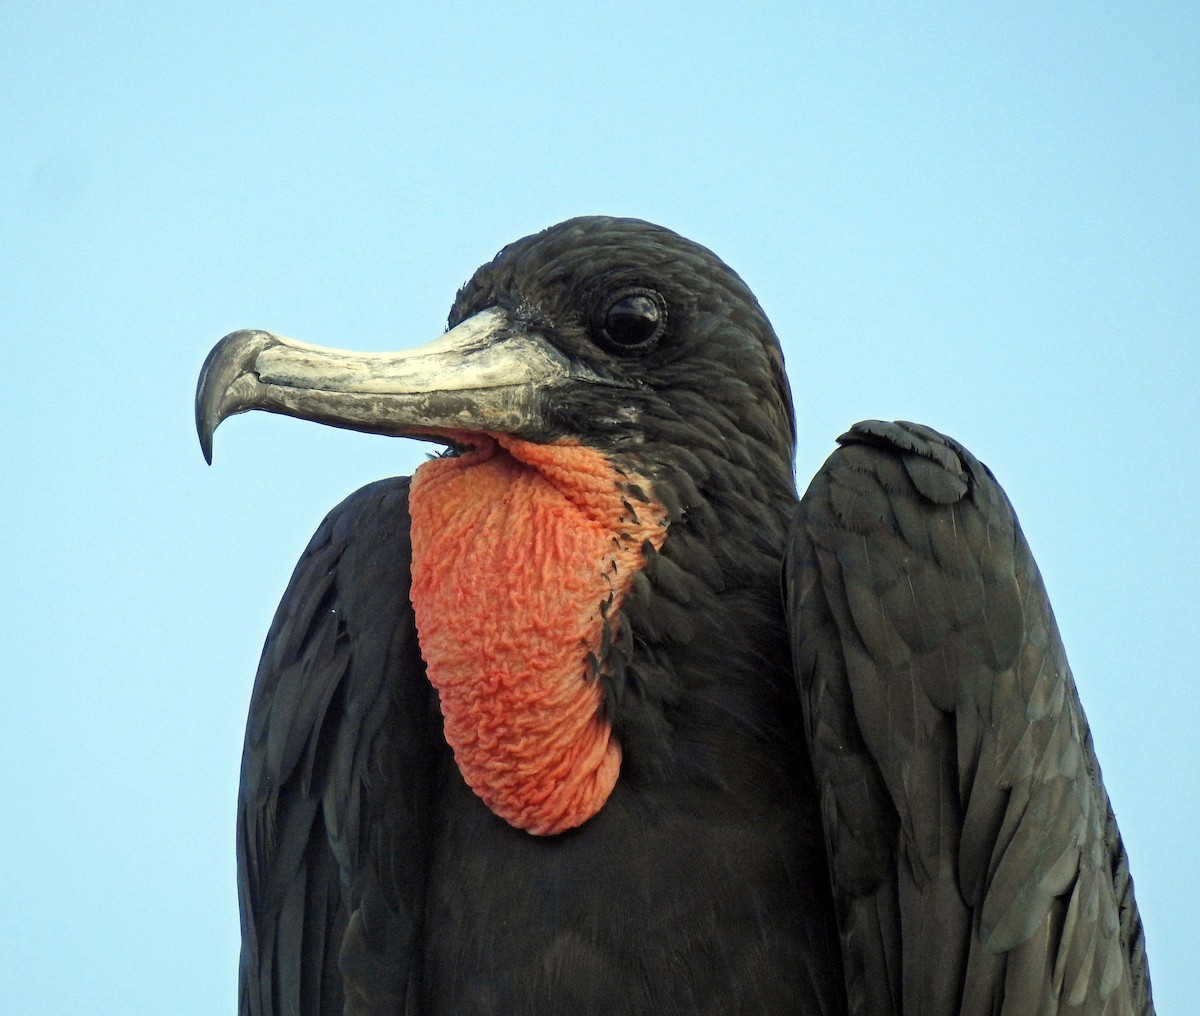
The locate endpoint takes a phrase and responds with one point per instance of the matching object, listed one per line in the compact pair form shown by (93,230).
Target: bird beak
(485,374)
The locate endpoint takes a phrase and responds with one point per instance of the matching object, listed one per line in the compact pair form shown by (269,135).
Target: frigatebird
(594,715)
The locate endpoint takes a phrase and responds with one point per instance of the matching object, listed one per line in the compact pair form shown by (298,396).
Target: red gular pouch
(522,553)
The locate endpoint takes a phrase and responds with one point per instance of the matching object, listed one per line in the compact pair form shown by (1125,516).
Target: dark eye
(634,318)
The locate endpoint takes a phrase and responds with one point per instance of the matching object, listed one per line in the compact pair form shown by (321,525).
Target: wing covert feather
(975,861)
(338,740)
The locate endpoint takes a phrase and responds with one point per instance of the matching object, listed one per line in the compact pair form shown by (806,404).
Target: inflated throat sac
(522,554)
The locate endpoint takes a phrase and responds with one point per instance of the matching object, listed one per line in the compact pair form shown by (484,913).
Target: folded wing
(336,777)
(976,864)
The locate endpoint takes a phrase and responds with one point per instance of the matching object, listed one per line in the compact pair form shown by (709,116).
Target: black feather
(923,638)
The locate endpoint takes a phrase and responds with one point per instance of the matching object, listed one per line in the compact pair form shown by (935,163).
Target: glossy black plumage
(974,855)
(867,684)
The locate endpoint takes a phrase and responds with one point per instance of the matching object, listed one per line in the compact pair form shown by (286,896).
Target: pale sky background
(987,221)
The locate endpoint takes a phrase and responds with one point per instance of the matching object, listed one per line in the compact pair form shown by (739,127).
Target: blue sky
(987,221)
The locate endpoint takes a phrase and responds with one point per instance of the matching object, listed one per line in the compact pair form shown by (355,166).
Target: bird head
(614,332)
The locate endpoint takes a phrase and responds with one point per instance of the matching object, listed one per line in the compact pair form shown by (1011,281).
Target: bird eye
(633,319)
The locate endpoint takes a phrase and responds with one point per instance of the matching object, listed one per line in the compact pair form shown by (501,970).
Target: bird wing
(337,743)
(975,861)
